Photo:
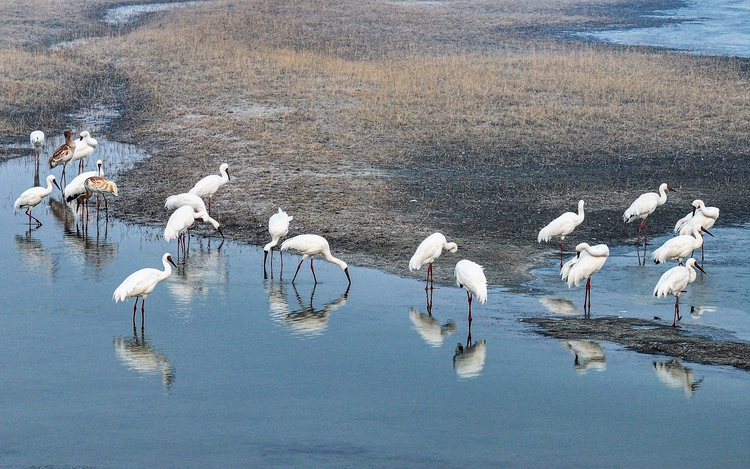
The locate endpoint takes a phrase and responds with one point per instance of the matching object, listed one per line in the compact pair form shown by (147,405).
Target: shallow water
(236,370)
(707,27)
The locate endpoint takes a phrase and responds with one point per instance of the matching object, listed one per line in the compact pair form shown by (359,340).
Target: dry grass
(344,112)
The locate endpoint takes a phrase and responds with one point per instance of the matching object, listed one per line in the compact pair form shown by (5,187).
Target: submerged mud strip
(648,337)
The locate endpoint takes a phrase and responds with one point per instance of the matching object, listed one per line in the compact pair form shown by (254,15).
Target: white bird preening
(470,276)
(85,146)
(63,154)
(37,140)
(680,247)
(562,226)
(644,206)
(142,282)
(429,250)
(674,281)
(278,226)
(310,245)
(180,222)
(208,186)
(30,198)
(174,202)
(588,261)
(701,216)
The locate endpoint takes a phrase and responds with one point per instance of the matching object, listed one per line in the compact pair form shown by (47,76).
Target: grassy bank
(376,123)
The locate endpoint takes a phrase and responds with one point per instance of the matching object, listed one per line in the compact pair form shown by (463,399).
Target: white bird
(644,206)
(701,215)
(37,140)
(680,247)
(674,281)
(30,198)
(142,282)
(429,250)
(180,222)
(588,261)
(85,146)
(174,202)
(309,245)
(562,226)
(470,276)
(278,226)
(75,187)
(63,154)
(208,186)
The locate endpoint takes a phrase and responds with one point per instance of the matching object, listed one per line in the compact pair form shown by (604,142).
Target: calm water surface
(238,370)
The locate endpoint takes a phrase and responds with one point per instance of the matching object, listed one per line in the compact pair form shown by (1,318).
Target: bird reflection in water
(306,320)
(697,311)
(137,354)
(429,328)
(93,252)
(588,355)
(560,306)
(468,361)
(37,259)
(675,375)
(206,269)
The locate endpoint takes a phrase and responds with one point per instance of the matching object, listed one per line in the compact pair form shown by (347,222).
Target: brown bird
(63,154)
(97,185)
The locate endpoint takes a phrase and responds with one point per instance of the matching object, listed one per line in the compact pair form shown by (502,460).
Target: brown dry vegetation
(377,123)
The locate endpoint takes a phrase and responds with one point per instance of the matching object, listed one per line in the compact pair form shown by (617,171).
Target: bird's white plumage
(174,202)
(37,141)
(208,186)
(310,245)
(31,197)
(562,225)
(470,276)
(75,187)
(699,216)
(179,222)
(679,247)
(430,249)
(278,226)
(85,146)
(646,203)
(587,262)
(674,281)
(142,282)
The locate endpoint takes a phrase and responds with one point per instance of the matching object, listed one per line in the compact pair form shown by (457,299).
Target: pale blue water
(235,370)
(707,27)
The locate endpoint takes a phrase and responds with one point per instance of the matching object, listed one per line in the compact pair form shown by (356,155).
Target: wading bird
(562,226)
(644,206)
(588,261)
(310,245)
(429,250)
(30,198)
(85,146)
(702,216)
(278,226)
(680,247)
(181,220)
(37,140)
(470,277)
(97,185)
(174,202)
(674,281)
(63,154)
(208,186)
(75,187)
(141,283)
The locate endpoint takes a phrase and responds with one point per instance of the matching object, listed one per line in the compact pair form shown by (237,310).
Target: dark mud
(652,337)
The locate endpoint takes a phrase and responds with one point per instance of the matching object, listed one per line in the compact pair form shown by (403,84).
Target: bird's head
(54,181)
(218,228)
(670,189)
(703,229)
(169,259)
(346,271)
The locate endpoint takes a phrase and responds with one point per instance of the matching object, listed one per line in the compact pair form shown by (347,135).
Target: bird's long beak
(169,259)
(707,232)
(694,209)
(54,181)
(670,189)
(265,254)
(218,228)
(228,178)
(346,271)
(699,268)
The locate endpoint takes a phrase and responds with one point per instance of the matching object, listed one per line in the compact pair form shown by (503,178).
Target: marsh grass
(349,110)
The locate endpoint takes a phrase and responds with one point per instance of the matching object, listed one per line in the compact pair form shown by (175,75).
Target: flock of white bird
(190,206)
(590,259)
